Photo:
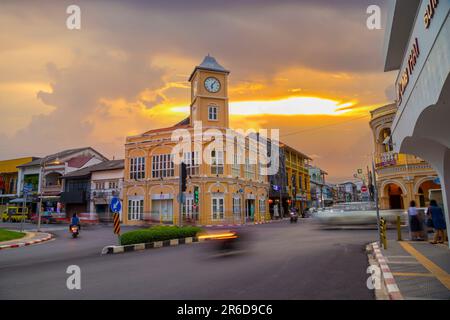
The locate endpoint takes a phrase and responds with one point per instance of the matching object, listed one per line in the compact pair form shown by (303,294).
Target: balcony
(104,194)
(386,159)
(51,189)
(389,159)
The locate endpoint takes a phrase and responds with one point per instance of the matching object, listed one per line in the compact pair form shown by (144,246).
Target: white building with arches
(400,177)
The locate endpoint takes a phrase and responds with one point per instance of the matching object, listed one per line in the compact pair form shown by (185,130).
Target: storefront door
(163,208)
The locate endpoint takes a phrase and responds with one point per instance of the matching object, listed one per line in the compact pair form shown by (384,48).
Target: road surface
(284,261)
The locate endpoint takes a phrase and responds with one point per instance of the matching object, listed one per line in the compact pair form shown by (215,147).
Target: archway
(395,196)
(423,191)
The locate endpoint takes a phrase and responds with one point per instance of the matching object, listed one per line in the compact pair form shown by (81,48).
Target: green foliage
(158,233)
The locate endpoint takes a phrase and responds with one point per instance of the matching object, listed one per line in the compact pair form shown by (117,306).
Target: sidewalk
(420,270)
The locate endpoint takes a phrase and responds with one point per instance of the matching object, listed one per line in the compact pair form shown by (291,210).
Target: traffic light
(183,176)
(196,195)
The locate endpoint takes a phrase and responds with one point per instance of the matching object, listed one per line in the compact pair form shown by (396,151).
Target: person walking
(438,220)
(276,215)
(415,224)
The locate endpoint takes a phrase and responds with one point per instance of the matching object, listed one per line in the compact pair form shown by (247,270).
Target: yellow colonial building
(9,178)
(299,187)
(400,177)
(222,187)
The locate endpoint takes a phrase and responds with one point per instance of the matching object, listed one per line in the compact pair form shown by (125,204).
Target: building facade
(45,175)
(9,176)
(317,182)
(90,189)
(217,191)
(400,177)
(348,192)
(299,187)
(417,44)
(106,183)
(279,190)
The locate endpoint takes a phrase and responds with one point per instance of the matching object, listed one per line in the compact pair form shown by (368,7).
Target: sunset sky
(310,68)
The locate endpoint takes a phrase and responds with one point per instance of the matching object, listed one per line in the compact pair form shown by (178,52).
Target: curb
(150,245)
(28,243)
(389,281)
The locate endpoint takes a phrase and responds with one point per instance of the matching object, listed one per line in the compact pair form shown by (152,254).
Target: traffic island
(9,235)
(28,239)
(150,245)
(154,237)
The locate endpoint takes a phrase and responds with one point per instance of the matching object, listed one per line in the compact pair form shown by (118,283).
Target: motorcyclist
(294,215)
(75,221)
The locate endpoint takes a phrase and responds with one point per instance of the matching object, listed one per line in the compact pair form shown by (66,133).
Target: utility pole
(41,182)
(183,177)
(376,199)
(23,209)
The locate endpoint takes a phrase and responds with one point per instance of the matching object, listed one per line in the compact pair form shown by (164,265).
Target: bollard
(383,233)
(399,229)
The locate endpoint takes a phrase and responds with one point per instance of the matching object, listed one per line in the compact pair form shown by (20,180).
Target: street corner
(30,238)
(381,280)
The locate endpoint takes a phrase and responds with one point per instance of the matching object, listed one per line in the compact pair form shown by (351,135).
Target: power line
(321,127)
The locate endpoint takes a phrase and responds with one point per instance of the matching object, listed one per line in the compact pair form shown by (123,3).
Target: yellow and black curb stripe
(151,245)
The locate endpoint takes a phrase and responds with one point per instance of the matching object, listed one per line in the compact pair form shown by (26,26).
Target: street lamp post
(376,198)
(41,182)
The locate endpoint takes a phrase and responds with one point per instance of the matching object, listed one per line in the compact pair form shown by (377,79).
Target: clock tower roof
(209,64)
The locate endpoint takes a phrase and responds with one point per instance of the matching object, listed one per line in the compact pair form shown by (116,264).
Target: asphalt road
(283,261)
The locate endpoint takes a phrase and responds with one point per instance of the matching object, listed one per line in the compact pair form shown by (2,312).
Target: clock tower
(209,94)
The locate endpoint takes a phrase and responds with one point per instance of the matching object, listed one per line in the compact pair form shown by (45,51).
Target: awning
(50,197)
(18,200)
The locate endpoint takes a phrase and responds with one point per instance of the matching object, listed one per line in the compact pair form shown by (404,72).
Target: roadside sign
(437,181)
(364,189)
(115,205)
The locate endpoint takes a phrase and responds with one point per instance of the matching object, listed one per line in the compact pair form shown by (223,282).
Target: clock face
(212,84)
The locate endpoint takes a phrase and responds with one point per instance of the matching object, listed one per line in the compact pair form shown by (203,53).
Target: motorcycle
(294,217)
(75,231)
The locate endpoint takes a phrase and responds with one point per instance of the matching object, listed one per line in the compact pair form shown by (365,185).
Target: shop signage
(162,196)
(412,61)
(424,33)
(429,12)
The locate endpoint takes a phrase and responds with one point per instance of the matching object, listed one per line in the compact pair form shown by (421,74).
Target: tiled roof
(78,162)
(177,126)
(52,157)
(284,145)
(102,166)
(209,63)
